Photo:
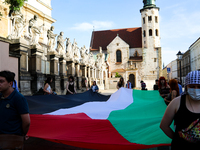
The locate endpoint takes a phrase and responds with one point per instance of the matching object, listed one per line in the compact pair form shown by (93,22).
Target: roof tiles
(132,36)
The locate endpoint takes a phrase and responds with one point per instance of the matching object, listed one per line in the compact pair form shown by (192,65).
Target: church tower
(151,40)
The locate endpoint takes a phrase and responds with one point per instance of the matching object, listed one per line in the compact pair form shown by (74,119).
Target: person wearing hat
(185,112)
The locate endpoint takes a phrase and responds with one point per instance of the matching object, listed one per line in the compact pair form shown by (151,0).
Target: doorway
(132,80)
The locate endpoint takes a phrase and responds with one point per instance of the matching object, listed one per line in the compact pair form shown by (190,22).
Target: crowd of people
(70,86)
(168,91)
(184,110)
(183,107)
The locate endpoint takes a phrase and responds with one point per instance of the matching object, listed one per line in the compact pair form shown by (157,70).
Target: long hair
(71,77)
(174,86)
(159,82)
(94,82)
(121,82)
(48,80)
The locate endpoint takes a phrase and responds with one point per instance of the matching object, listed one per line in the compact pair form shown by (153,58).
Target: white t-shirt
(49,89)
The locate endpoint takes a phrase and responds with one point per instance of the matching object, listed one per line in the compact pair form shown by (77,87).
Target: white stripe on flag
(101,110)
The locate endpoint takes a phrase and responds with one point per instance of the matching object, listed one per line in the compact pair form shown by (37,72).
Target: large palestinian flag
(128,119)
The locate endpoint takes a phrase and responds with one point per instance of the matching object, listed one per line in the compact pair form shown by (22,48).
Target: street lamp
(179,56)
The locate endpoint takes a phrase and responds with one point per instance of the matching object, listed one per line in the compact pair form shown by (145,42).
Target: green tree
(15,5)
(117,75)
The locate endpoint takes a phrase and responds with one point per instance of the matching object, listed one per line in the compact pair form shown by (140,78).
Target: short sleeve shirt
(11,109)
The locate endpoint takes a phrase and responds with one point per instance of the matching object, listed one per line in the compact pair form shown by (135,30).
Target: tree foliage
(15,5)
(117,75)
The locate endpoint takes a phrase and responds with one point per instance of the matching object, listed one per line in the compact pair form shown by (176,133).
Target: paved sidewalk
(107,92)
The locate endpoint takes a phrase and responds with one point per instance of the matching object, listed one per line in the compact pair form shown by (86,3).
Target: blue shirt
(94,88)
(129,85)
(15,85)
(11,109)
(180,89)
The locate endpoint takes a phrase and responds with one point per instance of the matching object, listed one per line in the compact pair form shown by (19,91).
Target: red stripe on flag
(79,130)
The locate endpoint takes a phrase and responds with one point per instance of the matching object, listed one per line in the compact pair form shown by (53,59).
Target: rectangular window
(149,18)
(156,19)
(144,20)
(154,59)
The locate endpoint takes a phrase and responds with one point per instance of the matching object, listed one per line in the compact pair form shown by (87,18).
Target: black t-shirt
(155,87)
(11,109)
(183,119)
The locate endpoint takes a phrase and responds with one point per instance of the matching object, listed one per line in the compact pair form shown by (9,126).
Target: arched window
(150,32)
(156,32)
(118,56)
(144,33)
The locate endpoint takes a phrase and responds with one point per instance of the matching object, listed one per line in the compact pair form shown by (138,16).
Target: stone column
(35,68)
(95,73)
(88,70)
(20,48)
(62,62)
(89,76)
(84,71)
(106,80)
(63,76)
(54,60)
(71,68)
(101,77)
(78,77)
(91,73)
(77,66)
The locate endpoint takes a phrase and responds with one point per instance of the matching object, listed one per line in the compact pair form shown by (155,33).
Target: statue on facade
(100,62)
(18,25)
(84,55)
(61,43)
(51,39)
(76,51)
(69,52)
(91,59)
(34,30)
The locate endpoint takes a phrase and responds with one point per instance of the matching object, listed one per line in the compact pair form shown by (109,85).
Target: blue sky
(179,21)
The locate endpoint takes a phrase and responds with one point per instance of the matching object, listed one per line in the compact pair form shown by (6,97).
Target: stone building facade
(40,52)
(195,55)
(135,53)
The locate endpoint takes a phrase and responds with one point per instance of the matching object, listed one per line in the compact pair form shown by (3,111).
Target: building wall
(169,74)
(4,23)
(41,5)
(151,45)
(118,44)
(174,69)
(42,8)
(195,55)
(8,63)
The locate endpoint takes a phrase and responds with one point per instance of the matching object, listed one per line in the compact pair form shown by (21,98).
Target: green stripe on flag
(139,122)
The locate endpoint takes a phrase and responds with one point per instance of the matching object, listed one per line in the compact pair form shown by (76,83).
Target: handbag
(11,141)
(191,133)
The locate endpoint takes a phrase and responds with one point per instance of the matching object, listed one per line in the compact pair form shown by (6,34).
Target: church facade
(134,53)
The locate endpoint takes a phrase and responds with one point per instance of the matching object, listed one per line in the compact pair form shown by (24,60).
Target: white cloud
(181,23)
(180,27)
(85,26)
